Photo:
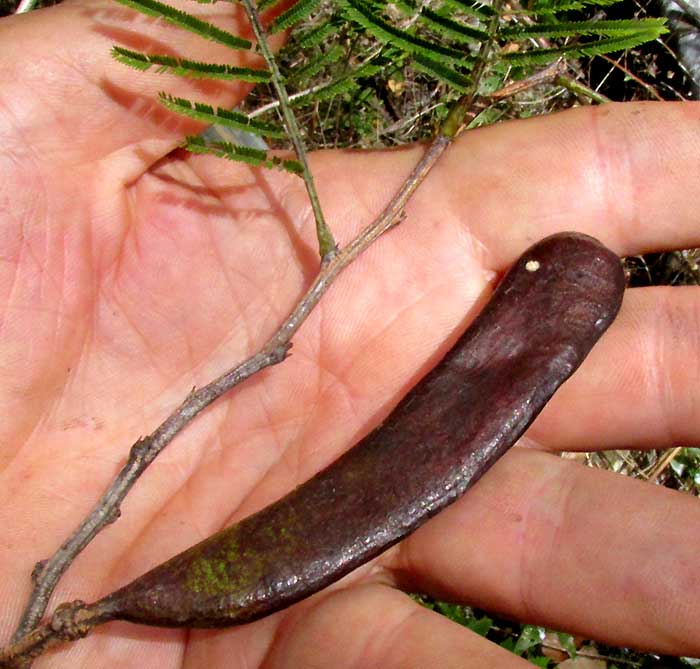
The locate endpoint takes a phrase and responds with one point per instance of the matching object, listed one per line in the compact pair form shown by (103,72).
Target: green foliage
(686,470)
(358,53)
(481,625)
(471,8)
(567,643)
(188,68)
(264,5)
(593,48)
(447,26)
(385,32)
(455,612)
(530,637)
(299,11)
(241,154)
(318,35)
(220,116)
(531,642)
(580,28)
(559,6)
(188,22)
(522,640)
(459,82)
(316,64)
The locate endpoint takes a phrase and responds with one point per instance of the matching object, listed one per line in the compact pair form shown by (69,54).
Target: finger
(374,626)
(638,387)
(627,174)
(91,105)
(551,542)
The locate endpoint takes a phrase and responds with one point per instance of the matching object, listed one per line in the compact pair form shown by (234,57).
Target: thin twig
(326,244)
(616,63)
(663,462)
(274,104)
(595,656)
(681,65)
(544,76)
(70,621)
(145,450)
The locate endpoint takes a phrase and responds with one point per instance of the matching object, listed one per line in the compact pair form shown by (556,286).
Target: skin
(131,273)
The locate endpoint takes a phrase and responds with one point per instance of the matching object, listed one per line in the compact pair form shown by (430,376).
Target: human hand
(133,271)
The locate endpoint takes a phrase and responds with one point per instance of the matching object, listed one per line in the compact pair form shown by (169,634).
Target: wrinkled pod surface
(539,325)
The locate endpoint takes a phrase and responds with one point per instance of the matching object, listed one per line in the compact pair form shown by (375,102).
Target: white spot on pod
(532,265)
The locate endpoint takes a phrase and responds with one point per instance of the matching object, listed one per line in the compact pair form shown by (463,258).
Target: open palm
(132,272)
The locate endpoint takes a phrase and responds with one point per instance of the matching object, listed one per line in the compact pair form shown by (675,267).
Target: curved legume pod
(540,324)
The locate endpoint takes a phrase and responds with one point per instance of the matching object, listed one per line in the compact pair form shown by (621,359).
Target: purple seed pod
(539,325)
